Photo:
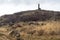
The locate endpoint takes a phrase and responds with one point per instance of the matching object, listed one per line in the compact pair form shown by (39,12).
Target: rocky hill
(30,25)
(31,15)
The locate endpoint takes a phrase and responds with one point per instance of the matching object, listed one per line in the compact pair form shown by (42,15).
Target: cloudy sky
(12,6)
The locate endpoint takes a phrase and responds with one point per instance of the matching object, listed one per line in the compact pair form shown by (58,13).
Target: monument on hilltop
(39,7)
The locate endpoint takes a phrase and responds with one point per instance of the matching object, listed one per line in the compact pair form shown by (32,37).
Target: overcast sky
(12,6)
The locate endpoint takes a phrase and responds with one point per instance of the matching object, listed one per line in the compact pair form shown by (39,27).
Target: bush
(52,33)
(34,23)
(11,24)
(16,25)
(41,32)
(14,33)
(31,32)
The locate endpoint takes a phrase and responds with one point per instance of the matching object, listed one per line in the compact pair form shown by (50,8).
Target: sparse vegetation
(50,31)
(30,25)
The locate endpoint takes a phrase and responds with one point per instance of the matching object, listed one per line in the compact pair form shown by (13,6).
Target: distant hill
(31,15)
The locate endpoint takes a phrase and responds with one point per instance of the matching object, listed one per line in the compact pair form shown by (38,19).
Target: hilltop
(31,15)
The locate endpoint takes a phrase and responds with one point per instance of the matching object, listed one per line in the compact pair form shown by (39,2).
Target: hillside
(30,25)
(31,15)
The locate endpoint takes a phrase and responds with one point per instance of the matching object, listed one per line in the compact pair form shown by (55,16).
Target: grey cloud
(1,1)
(16,1)
(21,1)
(28,2)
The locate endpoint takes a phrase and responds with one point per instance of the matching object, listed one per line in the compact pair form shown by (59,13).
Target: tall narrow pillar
(39,7)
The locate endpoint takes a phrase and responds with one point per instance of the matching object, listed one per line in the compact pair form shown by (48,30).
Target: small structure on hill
(39,7)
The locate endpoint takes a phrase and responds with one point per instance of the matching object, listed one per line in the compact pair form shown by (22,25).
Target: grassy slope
(48,30)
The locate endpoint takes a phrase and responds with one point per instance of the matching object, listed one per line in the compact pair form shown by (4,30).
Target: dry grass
(35,30)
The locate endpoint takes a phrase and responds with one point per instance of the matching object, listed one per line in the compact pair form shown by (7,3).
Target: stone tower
(39,7)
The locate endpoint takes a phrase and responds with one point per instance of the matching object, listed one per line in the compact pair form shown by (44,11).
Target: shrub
(34,23)
(41,32)
(17,25)
(11,24)
(31,32)
(52,33)
(43,24)
(14,33)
